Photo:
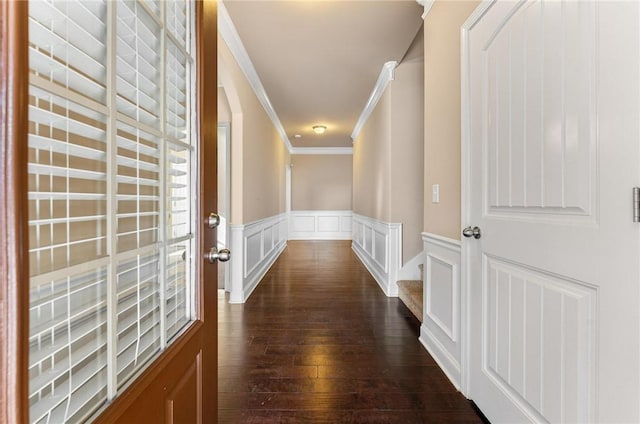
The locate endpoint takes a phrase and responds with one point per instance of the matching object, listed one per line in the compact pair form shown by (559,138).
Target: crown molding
(230,35)
(321,151)
(427,4)
(386,75)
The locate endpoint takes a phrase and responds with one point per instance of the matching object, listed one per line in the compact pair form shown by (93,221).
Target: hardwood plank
(277,371)
(412,417)
(318,342)
(288,385)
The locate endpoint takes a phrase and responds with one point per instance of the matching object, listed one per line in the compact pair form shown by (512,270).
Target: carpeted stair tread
(410,293)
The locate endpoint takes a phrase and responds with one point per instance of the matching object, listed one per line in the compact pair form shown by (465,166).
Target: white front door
(552,137)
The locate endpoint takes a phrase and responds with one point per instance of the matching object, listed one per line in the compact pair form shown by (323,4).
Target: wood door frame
(14,259)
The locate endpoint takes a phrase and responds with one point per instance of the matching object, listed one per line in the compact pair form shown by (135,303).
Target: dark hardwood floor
(319,342)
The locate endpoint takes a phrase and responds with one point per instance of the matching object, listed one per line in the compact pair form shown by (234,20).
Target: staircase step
(410,293)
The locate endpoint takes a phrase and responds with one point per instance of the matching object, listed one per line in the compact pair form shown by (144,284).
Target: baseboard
(320,225)
(254,249)
(443,358)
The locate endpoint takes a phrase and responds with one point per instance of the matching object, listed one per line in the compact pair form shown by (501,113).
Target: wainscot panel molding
(440,330)
(254,248)
(322,151)
(320,225)
(378,244)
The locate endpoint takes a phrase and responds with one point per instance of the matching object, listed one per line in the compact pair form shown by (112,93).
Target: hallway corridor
(318,342)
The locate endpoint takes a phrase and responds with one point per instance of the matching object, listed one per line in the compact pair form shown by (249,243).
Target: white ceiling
(319,60)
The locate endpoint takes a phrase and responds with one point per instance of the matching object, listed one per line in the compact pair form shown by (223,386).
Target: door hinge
(636,204)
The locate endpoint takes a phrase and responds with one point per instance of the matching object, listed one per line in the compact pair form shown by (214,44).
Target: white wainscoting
(378,244)
(254,248)
(440,330)
(320,225)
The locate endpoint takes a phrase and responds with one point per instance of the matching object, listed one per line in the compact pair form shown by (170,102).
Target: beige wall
(388,155)
(265,158)
(371,163)
(442,114)
(222,170)
(407,143)
(258,156)
(224,117)
(321,182)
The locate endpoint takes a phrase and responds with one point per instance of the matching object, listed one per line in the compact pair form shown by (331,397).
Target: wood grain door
(553,147)
(179,386)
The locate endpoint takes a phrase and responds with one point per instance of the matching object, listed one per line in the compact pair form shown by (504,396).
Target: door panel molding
(143,382)
(14,266)
(551,288)
(524,127)
(545,333)
(184,390)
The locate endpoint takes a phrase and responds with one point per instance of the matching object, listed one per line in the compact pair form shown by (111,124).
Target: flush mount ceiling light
(297,136)
(319,129)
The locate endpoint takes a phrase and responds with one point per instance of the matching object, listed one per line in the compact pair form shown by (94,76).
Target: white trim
(444,341)
(411,270)
(227,163)
(112,204)
(427,4)
(446,242)
(230,35)
(320,225)
(266,264)
(236,264)
(254,248)
(373,270)
(386,75)
(465,194)
(321,151)
(450,331)
(443,358)
(226,213)
(382,259)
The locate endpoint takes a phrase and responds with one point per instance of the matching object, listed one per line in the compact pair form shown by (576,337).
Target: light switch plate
(435,193)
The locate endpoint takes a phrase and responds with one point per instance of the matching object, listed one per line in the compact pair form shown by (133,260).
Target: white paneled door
(551,149)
